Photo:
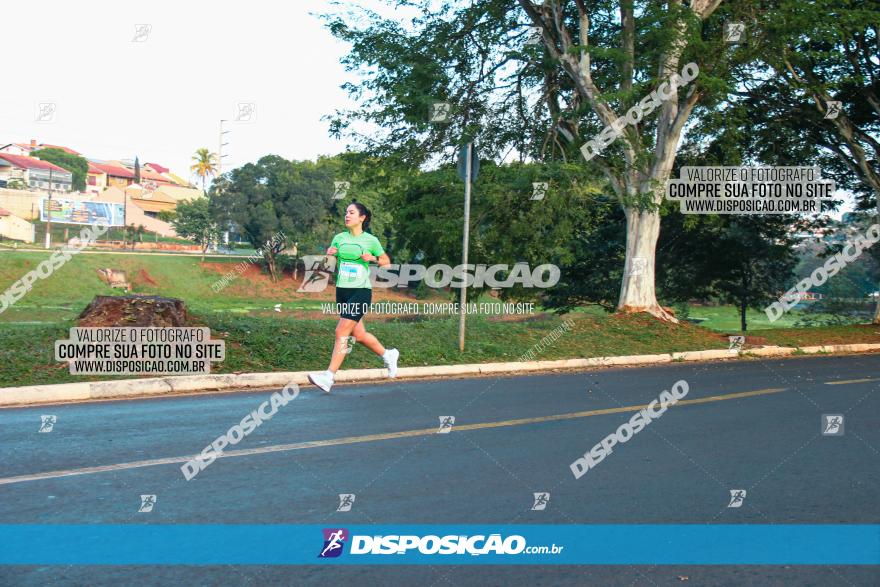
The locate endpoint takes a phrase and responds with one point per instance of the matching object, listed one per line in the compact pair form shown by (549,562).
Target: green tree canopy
(541,98)
(273,196)
(76,165)
(193,221)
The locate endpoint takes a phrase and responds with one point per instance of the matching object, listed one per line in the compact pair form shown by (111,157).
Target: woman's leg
(389,356)
(343,331)
(353,326)
(368,340)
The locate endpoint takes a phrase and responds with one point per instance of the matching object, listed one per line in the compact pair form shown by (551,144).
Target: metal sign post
(468,167)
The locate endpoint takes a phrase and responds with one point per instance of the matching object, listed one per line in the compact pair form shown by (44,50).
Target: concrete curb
(68,392)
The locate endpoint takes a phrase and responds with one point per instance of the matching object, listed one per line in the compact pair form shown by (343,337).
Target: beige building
(117,175)
(134,214)
(180,193)
(96,180)
(151,202)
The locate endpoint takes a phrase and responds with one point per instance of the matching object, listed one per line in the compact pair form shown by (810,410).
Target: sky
(153,80)
(159,94)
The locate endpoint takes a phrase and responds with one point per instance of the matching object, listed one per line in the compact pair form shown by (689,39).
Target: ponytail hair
(364,211)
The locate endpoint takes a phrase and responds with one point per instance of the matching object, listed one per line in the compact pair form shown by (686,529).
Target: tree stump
(133,310)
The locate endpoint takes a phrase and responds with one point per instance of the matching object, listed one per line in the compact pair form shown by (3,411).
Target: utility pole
(124,216)
(220,145)
(220,157)
(49,214)
(464,241)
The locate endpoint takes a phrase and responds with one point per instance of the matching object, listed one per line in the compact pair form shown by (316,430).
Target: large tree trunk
(637,292)
(876,319)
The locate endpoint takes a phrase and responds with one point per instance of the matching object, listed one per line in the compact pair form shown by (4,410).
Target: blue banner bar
(130,544)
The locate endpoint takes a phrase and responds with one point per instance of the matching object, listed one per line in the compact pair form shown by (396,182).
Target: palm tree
(204,164)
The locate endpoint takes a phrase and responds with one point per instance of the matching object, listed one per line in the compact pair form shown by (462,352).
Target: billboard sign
(82,212)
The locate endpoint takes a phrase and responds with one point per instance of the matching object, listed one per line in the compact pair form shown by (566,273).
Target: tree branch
(627,44)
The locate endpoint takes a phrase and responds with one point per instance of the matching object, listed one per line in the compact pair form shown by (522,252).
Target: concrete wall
(16,228)
(26,203)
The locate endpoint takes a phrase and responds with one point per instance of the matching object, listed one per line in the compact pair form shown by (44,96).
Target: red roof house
(23,162)
(157,168)
(34,173)
(147,175)
(117,175)
(114,170)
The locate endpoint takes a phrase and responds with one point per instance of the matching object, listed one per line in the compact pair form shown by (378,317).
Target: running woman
(354,250)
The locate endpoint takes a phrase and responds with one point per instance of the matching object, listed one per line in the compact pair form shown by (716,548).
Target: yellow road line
(375,437)
(848,381)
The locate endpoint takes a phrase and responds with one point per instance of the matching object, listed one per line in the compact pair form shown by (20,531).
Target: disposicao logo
(334,541)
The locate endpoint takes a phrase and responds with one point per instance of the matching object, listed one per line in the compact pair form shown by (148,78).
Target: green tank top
(351,270)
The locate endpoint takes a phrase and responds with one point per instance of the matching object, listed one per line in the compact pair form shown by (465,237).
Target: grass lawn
(290,343)
(727,319)
(300,337)
(73,286)
(852,334)
(115,233)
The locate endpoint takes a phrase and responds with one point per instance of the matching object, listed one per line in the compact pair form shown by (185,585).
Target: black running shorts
(353,301)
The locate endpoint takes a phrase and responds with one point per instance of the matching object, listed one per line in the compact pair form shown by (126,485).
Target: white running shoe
(324,380)
(390,358)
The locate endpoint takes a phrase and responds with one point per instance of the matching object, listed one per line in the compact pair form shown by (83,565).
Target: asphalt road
(756,427)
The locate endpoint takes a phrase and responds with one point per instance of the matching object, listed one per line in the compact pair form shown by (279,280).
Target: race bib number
(350,273)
